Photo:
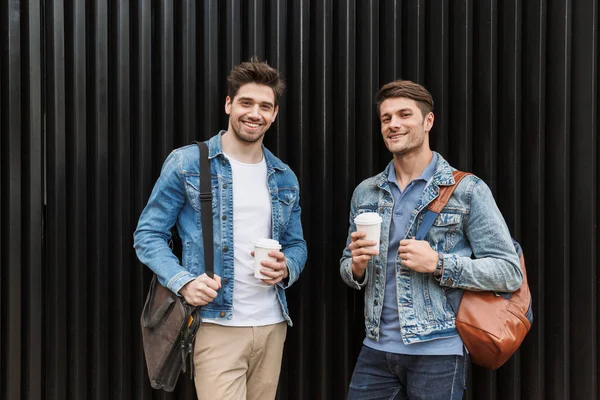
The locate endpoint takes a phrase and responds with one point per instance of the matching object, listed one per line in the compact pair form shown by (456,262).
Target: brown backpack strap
(440,202)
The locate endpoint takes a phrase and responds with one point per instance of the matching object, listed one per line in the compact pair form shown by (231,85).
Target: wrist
(357,272)
(439,268)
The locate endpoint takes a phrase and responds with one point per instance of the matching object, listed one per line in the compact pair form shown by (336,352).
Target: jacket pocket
(192,189)
(445,231)
(287,200)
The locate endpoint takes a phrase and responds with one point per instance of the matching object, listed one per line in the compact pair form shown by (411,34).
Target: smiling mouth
(251,124)
(396,136)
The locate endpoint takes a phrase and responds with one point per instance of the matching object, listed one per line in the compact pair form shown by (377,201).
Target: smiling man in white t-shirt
(239,346)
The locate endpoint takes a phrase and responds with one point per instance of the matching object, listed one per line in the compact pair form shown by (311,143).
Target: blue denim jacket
(469,226)
(174,200)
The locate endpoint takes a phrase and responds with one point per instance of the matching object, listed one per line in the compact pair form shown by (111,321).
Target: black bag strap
(206,209)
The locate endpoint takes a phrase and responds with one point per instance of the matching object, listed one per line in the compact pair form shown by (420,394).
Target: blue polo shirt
(389,332)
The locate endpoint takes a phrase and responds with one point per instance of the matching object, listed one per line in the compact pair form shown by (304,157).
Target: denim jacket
(174,200)
(472,236)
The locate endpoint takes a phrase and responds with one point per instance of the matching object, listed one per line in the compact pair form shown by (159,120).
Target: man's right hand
(361,253)
(201,290)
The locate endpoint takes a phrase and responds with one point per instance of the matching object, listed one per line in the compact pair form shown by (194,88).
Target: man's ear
(275,113)
(227,105)
(428,123)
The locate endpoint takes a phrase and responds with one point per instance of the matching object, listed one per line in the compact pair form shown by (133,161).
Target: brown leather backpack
(491,325)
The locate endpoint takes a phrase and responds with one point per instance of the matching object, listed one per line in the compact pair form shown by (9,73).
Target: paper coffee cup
(261,252)
(370,223)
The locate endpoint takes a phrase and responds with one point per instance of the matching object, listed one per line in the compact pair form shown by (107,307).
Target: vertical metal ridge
(12,199)
(533,186)
(485,100)
(189,75)
(211,104)
(322,173)
(507,149)
(413,40)
(99,334)
(33,200)
(3,304)
(583,212)
(558,186)
(367,70)
(437,61)
(76,201)
(120,176)
(276,36)
(255,37)
(461,98)
(58,294)
(233,34)
(298,122)
(141,174)
(345,347)
(166,78)
(390,40)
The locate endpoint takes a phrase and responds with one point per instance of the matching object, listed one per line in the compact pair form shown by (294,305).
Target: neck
(410,166)
(246,152)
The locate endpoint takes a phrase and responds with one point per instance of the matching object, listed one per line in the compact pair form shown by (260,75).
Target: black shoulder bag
(169,324)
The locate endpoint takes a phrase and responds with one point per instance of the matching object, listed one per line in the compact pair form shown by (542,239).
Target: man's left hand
(275,270)
(418,255)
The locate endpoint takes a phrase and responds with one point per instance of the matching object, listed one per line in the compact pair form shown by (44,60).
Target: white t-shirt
(254,302)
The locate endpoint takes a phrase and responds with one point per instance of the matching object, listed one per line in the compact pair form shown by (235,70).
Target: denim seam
(454,377)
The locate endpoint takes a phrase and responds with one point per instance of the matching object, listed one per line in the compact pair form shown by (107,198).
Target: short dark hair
(408,89)
(254,71)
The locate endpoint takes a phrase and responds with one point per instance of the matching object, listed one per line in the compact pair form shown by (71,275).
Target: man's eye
(405,115)
(266,107)
(386,120)
(245,103)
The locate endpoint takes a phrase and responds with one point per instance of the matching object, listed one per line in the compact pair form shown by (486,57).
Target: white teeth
(250,124)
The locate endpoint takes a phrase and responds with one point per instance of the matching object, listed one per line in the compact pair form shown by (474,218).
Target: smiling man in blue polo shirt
(412,349)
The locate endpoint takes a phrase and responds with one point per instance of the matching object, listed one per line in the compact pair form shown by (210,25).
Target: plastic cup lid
(369,218)
(268,244)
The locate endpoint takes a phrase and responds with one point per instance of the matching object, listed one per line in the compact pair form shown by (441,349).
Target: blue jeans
(381,375)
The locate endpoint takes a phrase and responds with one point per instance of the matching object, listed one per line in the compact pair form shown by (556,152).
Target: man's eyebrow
(397,111)
(251,99)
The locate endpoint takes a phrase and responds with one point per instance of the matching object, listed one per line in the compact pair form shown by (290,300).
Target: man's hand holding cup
(365,242)
(269,262)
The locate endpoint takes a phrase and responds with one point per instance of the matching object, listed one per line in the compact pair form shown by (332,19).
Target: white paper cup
(370,223)
(261,252)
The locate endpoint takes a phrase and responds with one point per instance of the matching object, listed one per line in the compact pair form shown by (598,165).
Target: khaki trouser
(238,362)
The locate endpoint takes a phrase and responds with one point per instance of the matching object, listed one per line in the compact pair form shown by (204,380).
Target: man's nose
(254,111)
(396,122)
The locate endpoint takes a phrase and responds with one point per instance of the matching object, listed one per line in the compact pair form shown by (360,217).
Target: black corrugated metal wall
(95,93)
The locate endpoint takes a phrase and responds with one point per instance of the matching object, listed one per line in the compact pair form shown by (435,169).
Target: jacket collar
(442,176)
(215,149)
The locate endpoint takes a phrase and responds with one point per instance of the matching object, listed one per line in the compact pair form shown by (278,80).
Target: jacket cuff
(287,282)
(348,276)
(451,271)
(180,280)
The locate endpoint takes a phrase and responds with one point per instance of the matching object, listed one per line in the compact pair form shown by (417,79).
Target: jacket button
(225,281)
(376,302)
(224,186)
(224,217)
(377,271)
(222,314)
(225,249)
